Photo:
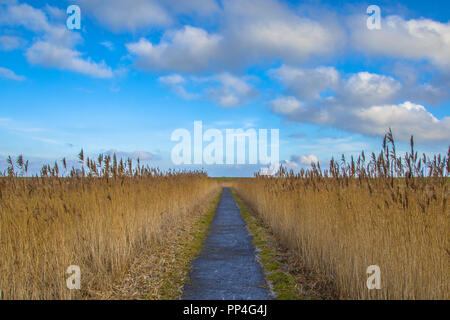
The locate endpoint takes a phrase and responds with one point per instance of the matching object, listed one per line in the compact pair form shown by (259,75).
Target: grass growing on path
(280,273)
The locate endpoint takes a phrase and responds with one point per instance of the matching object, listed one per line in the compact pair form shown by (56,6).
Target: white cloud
(225,97)
(363,102)
(360,88)
(268,29)
(296,162)
(176,82)
(55,13)
(172,79)
(55,56)
(307,83)
(414,39)
(249,32)
(9,43)
(286,105)
(232,90)
(26,16)
(9,74)
(369,88)
(189,49)
(225,89)
(138,15)
(54,45)
(305,159)
(235,83)
(119,15)
(406,119)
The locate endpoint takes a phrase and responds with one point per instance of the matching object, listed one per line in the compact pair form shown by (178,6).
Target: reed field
(380,209)
(99,218)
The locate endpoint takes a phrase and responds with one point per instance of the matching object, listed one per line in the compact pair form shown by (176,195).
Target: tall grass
(387,210)
(98,217)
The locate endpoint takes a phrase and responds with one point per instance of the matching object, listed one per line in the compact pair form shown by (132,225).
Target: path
(227,267)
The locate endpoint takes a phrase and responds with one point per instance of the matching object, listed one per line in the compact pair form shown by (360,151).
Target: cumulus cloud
(9,43)
(305,159)
(173,79)
(268,29)
(414,39)
(363,102)
(54,46)
(307,83)
(26,16)
(176,82)
(119,15)
(225,89)
(252,31)
(55,13)
(9,74)
(325,82)
(295,163)
(286,105)
(368,88)
(189,49)
(406,118)
(53,55)
(232,90)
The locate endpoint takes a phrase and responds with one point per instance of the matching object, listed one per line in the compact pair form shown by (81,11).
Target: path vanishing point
(227,267)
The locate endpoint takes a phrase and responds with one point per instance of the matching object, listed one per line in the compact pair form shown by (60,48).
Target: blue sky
(138,70)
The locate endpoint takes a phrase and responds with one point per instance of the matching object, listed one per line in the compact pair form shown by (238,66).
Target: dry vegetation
(100,217)
(388,210)
(117,222)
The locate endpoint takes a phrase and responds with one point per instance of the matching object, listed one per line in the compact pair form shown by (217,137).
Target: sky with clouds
(138,70)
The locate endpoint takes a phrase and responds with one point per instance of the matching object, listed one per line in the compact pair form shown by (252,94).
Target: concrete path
(227,266)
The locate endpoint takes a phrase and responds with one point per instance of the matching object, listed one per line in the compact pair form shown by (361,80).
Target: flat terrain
(227,267)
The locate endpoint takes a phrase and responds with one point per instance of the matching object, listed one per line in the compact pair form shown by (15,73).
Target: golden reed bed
(383,210)
(388,211)
(99,222)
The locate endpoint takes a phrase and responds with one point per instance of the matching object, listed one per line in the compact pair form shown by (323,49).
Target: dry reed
(98,217)
(389,211)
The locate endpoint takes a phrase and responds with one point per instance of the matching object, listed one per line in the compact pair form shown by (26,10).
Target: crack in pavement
(227,267)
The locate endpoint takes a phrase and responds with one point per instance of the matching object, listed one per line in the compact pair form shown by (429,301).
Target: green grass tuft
(283,284)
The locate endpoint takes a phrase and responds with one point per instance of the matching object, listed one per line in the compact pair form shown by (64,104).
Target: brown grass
(107,218)
(389,211)
(99,218)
